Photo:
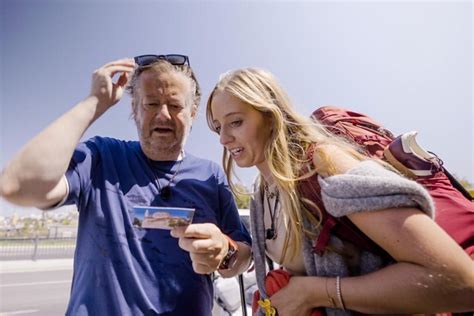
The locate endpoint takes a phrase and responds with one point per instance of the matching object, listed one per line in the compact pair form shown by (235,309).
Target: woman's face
(243,130)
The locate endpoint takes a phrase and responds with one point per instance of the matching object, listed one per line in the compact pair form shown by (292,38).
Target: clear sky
(407,64)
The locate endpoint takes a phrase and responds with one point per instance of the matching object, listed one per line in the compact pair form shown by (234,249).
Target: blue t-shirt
(122,269)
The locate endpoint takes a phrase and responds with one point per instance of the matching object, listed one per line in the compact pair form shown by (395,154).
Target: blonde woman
(258,127)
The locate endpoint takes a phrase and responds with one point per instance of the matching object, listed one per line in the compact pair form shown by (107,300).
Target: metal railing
(36,248)
(51,245)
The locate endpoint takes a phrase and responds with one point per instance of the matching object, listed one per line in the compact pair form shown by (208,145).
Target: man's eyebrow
(156,96)
(152,95)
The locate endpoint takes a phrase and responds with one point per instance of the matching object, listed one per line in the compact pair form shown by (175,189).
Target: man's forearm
(38,167)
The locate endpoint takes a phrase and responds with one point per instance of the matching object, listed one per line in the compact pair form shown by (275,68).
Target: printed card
(162,217)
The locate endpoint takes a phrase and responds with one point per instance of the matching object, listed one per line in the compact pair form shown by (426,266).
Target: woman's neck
(266,173)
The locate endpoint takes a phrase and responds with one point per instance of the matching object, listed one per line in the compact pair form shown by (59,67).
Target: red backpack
(454,206)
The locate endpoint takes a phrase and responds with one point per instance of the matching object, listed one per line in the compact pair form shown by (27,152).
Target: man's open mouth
(163,130)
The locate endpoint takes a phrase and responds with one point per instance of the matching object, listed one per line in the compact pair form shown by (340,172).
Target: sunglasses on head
(173,59)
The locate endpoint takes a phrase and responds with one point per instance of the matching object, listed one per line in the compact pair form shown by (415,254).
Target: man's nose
(163,112)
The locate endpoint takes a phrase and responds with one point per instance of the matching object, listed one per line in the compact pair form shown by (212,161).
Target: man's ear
(133,113)
(194,111)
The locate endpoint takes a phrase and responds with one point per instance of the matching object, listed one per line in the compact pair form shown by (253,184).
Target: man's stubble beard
(156,149)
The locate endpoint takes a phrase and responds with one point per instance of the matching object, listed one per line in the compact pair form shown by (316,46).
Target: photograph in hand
(162,217)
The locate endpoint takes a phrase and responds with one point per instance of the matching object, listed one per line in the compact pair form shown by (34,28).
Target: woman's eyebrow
(227,115)
(232,113)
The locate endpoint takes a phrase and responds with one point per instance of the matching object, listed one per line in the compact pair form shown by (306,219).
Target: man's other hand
(206,244)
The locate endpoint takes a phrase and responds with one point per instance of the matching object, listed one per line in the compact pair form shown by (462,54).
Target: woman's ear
(269,120)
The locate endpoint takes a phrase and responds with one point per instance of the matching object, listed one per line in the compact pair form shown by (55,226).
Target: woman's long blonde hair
(285,150)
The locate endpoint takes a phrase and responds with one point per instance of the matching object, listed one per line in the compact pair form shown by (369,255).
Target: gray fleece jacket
(366,187)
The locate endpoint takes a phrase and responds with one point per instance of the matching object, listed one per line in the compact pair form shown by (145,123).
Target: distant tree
(65,221)
(242,197)
(466,184)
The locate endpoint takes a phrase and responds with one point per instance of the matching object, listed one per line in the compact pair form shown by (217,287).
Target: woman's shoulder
(329,159)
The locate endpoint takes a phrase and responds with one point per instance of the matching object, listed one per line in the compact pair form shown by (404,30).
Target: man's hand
(104,89)
(205,243)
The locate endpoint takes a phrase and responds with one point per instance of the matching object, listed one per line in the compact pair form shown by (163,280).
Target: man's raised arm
(34,177)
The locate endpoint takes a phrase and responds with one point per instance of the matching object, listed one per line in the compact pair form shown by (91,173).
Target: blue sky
(407,64)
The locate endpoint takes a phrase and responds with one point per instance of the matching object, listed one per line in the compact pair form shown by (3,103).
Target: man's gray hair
(162,66)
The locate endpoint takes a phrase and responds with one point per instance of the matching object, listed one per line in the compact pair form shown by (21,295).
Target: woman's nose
(225,137)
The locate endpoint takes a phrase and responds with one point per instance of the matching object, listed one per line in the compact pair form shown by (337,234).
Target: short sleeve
(80,172)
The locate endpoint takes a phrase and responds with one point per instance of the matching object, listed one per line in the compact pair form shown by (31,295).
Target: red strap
(310,152)
(323,239)
(365,138)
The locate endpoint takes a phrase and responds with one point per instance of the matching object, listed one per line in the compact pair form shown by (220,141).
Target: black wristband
(231,255)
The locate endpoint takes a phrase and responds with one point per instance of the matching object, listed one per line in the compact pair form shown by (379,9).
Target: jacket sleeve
(370,187)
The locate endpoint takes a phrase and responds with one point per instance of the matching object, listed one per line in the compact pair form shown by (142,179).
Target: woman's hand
(296,298)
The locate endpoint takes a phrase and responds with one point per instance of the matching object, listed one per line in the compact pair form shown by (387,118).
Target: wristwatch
(231,256)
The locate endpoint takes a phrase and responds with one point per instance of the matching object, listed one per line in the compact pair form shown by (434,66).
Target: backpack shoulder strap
(341,227)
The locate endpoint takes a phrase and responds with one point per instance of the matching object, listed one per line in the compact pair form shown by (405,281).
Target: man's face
(164,113)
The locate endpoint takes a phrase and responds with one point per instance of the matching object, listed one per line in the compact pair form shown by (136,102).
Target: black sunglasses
(173,59)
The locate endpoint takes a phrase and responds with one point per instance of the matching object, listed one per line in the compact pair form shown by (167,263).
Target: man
(119,267)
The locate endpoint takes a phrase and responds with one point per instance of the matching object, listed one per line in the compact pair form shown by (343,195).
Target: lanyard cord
(271,233)
(165,192)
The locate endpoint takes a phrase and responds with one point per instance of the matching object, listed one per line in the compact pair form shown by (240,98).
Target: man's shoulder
(110,143)
(203,164)
(199,160)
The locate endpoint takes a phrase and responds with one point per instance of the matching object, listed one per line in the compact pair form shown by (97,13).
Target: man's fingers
(201,268)
(204,242)
(121,68)
(177,232)
(199,245)
(103,86)
(208,259)
(112,70)
(118,86)
(120,62)
(202,231)
(122,81)
(205,263)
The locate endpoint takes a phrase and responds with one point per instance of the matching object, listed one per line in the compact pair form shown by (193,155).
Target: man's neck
(159,155)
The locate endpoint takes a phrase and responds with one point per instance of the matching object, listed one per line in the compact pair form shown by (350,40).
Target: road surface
(34,288)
